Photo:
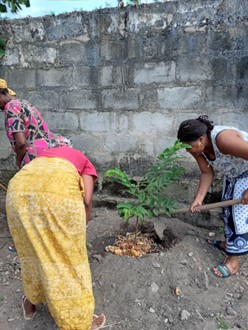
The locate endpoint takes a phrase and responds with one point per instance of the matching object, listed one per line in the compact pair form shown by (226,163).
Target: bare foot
(98,321)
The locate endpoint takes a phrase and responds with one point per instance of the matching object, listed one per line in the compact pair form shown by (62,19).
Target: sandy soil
(140,294)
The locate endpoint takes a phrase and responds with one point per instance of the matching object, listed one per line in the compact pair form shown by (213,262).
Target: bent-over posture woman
(222,149)
(48,206)
(25,128)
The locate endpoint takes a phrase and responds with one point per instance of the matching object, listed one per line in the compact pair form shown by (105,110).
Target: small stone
(230,311)
(154,287)
(190,254)
(138,301)
(237,295)
(151,310)
(183,262)
(229,295)
(98,257)
(156,265)
(184,315)
(11,319)
(211,234)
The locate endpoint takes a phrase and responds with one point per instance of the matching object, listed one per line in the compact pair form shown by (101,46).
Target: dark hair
(192,129)
(4,91)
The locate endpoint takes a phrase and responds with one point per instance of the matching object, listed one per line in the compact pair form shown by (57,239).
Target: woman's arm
(20,147)
(231,142)
(206,179)
(88,194)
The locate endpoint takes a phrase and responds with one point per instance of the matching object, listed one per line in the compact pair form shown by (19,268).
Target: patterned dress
(235,171)
(21,116)
(46,217)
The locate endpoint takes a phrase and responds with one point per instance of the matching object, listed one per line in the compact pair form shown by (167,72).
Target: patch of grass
(221,230)
(223,324)
(89,245)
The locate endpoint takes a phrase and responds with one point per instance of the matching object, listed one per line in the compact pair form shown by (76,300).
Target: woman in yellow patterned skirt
(48,206)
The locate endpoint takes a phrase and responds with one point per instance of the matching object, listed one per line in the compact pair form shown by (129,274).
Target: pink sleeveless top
(76,157)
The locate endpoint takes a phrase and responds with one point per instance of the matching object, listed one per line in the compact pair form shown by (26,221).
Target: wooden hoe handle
(210,206)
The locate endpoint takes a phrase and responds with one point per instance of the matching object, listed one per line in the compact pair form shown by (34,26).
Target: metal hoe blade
(159,222)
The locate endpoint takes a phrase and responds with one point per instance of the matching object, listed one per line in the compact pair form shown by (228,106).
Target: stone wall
(119,82)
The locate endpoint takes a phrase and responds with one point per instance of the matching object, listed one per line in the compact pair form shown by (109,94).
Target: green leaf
(149,193)
(3,8)
(2,47)
(13,5)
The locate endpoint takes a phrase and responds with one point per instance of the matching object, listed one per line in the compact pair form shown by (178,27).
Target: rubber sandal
(216,244)
(223,269)
(95,317)
(25,315)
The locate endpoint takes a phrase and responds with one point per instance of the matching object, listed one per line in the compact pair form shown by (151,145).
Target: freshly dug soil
(171,288)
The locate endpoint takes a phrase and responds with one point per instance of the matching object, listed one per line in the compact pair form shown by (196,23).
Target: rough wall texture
(119,82)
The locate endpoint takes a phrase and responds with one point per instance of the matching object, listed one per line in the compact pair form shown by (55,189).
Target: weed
(223,324)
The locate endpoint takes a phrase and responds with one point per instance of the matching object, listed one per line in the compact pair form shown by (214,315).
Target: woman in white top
(222,149)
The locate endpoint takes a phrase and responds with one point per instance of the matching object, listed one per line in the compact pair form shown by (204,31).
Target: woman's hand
(244,199)
(194,205)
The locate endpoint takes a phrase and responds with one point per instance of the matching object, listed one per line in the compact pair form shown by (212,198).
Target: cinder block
(61,121)
(38,55)
(148,122)
(150,73)
(88,143)
(20,79)
(118,143)
(96,122)
(192,68)
(180,97)
(61,77)
(120,99)
(79,100)
(43,100)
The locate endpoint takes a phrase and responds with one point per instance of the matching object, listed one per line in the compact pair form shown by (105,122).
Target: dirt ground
(140,294)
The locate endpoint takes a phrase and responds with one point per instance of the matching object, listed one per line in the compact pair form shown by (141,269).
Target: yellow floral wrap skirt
(46,218)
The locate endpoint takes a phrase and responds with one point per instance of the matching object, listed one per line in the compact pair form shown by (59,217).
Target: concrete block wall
(119,82)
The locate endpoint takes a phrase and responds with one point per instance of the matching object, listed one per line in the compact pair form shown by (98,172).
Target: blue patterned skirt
(236,216)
